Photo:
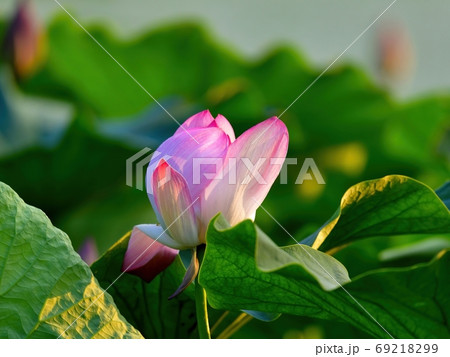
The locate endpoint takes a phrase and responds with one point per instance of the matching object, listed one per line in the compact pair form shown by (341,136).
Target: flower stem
(240,321)
(201,307)
(219,321)
(201,303)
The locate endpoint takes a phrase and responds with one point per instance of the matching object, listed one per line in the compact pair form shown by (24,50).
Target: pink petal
(174,203)
(204,119)
(187,149)
(237,199)
(160,234)
(145,256)
(199,120)
(222,123)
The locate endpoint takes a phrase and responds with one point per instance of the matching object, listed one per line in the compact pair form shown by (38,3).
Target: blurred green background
(70,116)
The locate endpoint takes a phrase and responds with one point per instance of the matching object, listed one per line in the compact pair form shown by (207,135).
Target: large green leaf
(324,269)
(46,290)
(146,305)
(387,206)
(403,303)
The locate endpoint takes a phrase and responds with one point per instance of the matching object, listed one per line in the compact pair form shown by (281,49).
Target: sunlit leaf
(403,303)
(46,290)
(387,206)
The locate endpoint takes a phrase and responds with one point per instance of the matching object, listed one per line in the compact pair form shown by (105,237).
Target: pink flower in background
(88,250)
(25,42)
(396,58)
(203,170)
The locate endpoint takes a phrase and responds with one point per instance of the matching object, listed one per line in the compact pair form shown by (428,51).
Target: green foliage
(181,54)
(146,305)
(388,206)
(407,303)
(417,132)
(46,290)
